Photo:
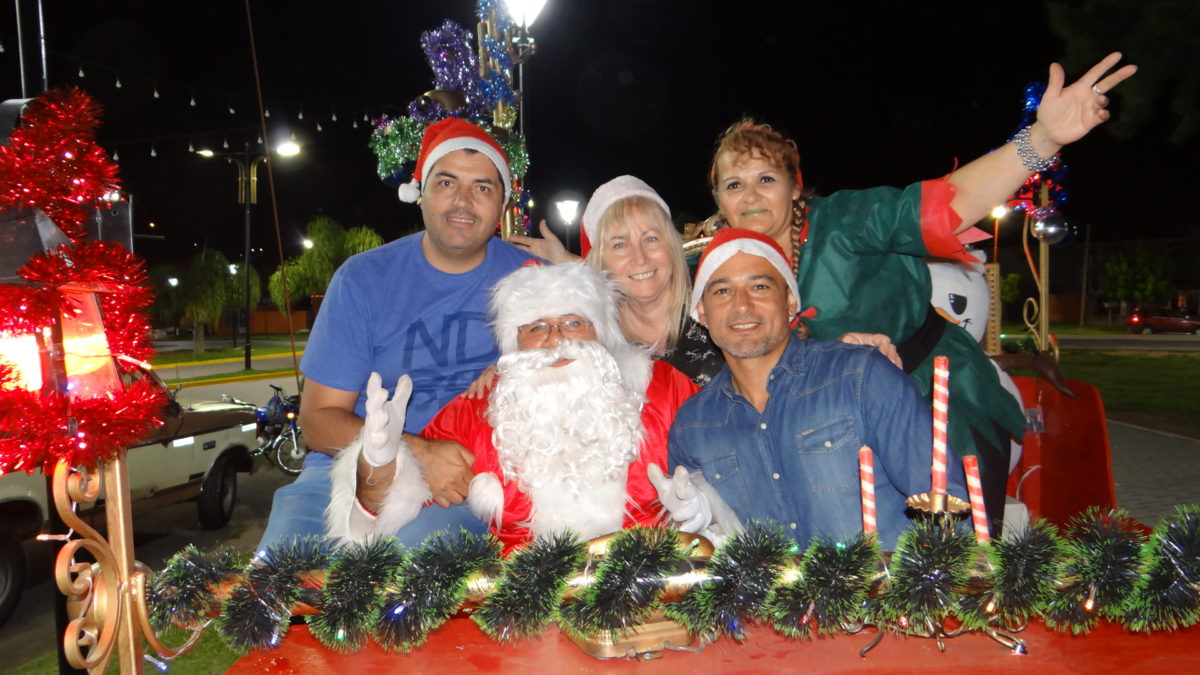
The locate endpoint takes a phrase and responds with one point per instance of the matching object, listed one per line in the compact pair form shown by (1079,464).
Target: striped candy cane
(866,481)
(975,491)
(941,406)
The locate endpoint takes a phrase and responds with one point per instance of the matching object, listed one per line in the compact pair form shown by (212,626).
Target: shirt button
(771,376)
(775,476)
(717,476)
(792,525)
(762,425)
(828,444)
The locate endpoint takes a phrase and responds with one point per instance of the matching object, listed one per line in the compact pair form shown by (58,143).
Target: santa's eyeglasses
(569,327)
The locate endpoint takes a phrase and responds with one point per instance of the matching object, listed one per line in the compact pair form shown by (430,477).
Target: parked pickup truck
(195,455)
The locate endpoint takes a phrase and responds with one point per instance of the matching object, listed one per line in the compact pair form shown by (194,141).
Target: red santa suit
(465,420)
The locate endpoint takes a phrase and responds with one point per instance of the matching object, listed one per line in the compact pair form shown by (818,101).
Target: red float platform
(460,647)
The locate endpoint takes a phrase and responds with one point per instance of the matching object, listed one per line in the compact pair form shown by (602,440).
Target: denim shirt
(797,461)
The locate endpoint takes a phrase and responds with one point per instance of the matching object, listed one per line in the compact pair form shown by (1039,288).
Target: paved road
(1156,342)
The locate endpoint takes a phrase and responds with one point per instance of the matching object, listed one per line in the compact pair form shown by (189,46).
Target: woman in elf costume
(859,255)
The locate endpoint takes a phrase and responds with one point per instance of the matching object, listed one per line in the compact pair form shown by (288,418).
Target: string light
(156,92)
(266,112)
(260,139)
(116,156)
(231,110)
(81,71)
(301,115)
(355,124)
(118,85)
(153,152)
(191,148)
(333,118)
(319,127)
(193,103)
(225,143)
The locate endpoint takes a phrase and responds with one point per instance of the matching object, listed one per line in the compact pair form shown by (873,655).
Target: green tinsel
(397,144)
(182,593)
(428,587)
(627,584)
(741,575)
(518,156)
(930,564)
(1103,549)
(531,587)
(1166,595)
(353,593)
(831,589)
(1022,580)
(257,612)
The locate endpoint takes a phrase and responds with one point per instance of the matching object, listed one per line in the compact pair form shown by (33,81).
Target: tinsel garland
(1167,595)
(258,610)
(450,55)
(628,583)
(831,589)
(52,163)
(1022,579)
(1102,567)
(182,594)
(929,566)
(353,593)
(742,580)
(742,574)
(429,586)
(530,588)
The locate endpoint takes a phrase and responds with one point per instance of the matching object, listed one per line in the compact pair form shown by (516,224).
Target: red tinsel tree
(52,163)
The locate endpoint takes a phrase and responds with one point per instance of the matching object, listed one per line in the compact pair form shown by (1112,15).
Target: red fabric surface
(460,647)
(938,222)
(1067,467)
(463,420)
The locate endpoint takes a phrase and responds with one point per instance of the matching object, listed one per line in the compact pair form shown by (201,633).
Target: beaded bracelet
(1029,157)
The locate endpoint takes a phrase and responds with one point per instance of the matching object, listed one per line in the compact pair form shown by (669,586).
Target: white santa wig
(544,291)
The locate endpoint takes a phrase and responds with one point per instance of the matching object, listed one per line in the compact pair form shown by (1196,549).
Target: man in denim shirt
(777,432)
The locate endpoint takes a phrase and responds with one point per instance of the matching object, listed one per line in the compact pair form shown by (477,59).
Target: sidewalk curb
(232,359)
(233,378)
(1164,433)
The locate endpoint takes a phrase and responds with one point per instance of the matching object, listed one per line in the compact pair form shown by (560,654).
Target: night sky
(874,94)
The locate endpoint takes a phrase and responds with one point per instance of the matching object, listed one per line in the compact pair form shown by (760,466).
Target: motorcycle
(279,434)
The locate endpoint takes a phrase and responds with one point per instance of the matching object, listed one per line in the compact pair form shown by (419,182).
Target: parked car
(1163,321)
(195,455)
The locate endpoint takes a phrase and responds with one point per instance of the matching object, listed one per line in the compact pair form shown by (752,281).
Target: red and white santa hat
(605,196)
(447,136)
(730,241)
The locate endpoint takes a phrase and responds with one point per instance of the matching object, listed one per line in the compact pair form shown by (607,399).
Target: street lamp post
(247,166)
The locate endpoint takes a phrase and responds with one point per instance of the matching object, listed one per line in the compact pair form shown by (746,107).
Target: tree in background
(310,273)
(1010,292)
(1137,275)
(167,308)
(205,289)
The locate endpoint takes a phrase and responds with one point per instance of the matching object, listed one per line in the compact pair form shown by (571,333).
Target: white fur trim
(485,498)
(410,192)
(345,521)
(713,259)
(538,291)
(610,193)
(464,143)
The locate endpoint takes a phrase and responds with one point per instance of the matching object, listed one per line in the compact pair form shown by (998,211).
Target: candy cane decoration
(975,491)
(941,406)
(866,480)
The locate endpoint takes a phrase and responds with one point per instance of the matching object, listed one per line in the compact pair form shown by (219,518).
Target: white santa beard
(567,435)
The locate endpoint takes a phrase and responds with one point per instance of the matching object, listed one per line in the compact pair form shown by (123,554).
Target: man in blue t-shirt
(418,306)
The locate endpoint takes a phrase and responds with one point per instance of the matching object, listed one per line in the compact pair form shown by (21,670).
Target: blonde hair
(615,221)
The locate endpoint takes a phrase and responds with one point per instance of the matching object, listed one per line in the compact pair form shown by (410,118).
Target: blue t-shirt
(389,311)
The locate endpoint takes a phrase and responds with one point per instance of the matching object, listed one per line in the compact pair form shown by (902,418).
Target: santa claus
(570,437)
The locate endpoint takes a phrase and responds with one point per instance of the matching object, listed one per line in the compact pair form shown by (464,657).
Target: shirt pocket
(722,474)
(827,457)
(829,438)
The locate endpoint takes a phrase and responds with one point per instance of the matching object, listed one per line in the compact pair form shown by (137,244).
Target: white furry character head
(960,294)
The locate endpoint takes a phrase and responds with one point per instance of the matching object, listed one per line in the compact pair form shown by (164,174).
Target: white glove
(683,501)
(383,430)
